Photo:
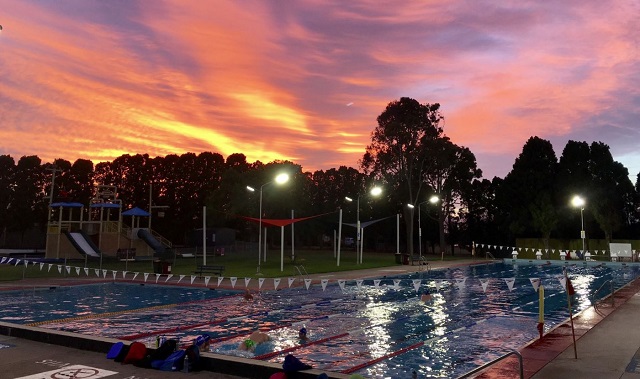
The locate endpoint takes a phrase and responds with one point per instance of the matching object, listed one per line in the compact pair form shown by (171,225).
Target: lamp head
(282,178)
(375,191)
(578,201)
(434,199)
(251,189)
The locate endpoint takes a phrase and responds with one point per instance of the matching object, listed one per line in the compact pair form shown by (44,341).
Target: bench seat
(209,269)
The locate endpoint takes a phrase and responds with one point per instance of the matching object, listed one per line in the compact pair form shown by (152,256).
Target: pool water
(377,331)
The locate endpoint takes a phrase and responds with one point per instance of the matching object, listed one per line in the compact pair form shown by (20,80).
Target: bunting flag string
(180,277)
(510,282)
(124,274)
(341,283)
(260,283)
(171,275)
(246,282)
(291,280)
(41,265)
(114,273)
(135,274)
(86,271)
(535,282)
(104,274)
(485,283)
(2,260)
(324,283)
(233,281)
(206,281)
(307,283)
(416,284)
(157,277)
(193,277)
(59,269)
(78,271)
(49,269)
(68,268)
(146,275)
(17,262)
(276,283)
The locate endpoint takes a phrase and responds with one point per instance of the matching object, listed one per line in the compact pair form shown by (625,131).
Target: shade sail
(135,211)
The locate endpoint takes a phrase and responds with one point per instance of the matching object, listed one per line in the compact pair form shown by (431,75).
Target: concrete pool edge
(244,367)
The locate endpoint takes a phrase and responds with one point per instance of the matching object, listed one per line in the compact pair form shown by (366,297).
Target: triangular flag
(60,269)
(26,263)
(324,283)
(416,284)
(510,282)
(260,282)
(9,261)
(114,274)
(438,284)
(376,283)
(124,274)
(135,274)
(233,281)
(307,283)
(276,283)
(3,259)
(341,283)
(97,271)
(396,283)
(78,271)
(193,277)
(220,278)
(17,262)
(49,269)
(146,275)
(180,277)
(461,282)
(68,268)
(157,277)
(171,276)
(291,280)
(86,271)
(359,284)
(484,282)
(41,264)
(246,282)
(104,274)
(535,282)
(206,281)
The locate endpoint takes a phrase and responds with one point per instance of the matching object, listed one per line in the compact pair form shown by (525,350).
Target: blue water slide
(83,244)
(152,241)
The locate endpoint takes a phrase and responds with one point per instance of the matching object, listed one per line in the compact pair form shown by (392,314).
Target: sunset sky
(305,80)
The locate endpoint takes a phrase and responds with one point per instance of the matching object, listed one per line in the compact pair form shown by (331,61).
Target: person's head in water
(302,334)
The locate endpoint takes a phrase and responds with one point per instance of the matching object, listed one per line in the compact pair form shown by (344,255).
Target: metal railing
(599,302)
(301,271)
(488,364)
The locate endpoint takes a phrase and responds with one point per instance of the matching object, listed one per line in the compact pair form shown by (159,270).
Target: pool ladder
(486,365)
(488,254)
(600,303)
(300,271)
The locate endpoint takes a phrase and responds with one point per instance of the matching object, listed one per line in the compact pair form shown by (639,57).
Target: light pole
(578,201)
(375,191)
(435,199)
(279,179)
(419,226)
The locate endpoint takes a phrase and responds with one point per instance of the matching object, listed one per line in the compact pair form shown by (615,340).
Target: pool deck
(607,342)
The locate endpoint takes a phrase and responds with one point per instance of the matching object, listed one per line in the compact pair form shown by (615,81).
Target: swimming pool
(377,329)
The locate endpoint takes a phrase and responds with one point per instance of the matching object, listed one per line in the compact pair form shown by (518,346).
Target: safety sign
(72,372)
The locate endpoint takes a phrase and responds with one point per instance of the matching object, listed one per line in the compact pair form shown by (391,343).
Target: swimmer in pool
(425,298)
(254,340)
(248,296)
(302,335)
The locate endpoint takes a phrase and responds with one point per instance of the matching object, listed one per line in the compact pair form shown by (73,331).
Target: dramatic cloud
(305,80)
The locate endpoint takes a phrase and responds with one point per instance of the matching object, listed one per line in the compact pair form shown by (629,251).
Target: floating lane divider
(330,338)
(412,347)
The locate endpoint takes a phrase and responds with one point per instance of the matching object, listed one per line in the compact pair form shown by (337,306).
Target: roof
(135,211)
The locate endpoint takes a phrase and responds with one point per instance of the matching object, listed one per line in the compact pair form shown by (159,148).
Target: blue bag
(115,350)
(174,362)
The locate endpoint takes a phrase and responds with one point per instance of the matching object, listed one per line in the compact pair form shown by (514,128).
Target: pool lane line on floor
(221,321)
(115,313)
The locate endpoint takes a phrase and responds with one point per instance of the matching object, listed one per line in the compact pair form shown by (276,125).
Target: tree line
(409,156)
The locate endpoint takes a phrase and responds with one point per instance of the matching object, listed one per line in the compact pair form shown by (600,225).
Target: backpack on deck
(136,353)
(159,354)
(193,353)
(174,362)
(122,353)
(115,350)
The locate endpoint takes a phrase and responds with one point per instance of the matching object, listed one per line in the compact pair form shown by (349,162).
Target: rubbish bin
(399,258)
(161,267)
(405,259)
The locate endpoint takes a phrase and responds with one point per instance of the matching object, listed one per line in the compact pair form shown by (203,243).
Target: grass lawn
(313,261)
